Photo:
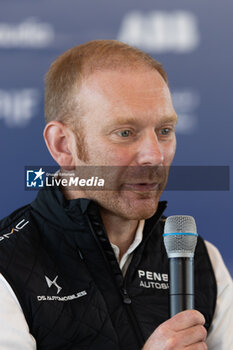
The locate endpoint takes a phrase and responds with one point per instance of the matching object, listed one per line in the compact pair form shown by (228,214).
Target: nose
(150,151)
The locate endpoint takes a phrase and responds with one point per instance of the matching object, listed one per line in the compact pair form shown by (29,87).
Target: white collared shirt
(127,257)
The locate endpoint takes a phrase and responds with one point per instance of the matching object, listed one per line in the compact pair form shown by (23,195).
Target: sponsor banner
(161,31)
(19,106)
(30,33)
(186,103)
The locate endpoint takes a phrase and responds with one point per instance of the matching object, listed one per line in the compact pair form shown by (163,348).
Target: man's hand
(183,331)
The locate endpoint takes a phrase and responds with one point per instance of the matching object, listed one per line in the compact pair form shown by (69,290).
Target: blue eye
(124,133)
(165,131)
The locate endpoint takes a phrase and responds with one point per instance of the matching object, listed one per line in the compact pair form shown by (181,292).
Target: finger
(186,319)
(191,336)
(199,346)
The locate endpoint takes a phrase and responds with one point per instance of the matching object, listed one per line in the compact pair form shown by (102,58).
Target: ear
(58,139)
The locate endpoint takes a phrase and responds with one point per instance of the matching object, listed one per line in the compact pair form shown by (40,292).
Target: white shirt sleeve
(14,331)
(220,335)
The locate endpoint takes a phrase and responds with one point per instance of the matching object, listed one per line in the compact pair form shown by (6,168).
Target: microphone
(180,239)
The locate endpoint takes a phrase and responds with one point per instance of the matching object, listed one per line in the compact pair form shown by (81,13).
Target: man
(87,269)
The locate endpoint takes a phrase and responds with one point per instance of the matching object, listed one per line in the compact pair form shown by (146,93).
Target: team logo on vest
(50,283)
(53,282)
(19,226)
(149,279)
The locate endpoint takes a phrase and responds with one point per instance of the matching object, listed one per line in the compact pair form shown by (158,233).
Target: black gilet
(57,258)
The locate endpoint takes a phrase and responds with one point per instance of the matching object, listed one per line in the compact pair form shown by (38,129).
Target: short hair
(64,78)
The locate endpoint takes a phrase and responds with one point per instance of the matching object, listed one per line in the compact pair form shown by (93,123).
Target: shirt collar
(137,240)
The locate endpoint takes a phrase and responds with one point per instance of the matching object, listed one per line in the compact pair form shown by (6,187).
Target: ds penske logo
(150,279)
(51,283)
(17,228)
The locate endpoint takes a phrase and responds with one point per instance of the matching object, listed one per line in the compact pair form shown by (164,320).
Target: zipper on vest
(123,292)
(125,296)
(137,330)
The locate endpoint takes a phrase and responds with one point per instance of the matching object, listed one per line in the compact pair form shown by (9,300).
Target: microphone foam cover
(180,236)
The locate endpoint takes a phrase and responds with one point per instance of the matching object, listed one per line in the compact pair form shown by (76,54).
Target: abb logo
(17,228)
(161,31)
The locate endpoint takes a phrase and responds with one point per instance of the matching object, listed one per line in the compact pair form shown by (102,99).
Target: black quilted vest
(56,256)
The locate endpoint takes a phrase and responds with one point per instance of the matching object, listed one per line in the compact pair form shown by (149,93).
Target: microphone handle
(181,285)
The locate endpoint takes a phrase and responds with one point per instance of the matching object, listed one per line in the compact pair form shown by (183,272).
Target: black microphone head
(180,236)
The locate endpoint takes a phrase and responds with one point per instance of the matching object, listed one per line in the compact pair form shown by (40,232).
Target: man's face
(129,124)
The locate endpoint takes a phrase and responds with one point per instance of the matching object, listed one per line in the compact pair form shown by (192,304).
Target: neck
(120,231)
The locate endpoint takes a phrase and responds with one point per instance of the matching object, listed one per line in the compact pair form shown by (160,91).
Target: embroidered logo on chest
(52,283)
(150,279)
